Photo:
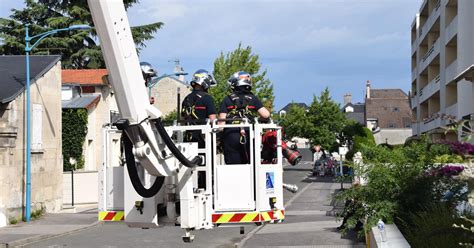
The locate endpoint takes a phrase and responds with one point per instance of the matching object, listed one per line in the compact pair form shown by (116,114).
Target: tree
(241,59)
(295,122)
(78,49)
(327,120)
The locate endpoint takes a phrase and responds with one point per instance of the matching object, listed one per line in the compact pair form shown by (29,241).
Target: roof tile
(84,77)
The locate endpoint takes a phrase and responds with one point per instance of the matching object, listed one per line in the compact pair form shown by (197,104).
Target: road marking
(287,204)
(312,226)
(306,212)
(251,233)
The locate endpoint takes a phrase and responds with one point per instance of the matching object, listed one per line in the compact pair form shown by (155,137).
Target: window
(88,89)
(391,125)
(37,127)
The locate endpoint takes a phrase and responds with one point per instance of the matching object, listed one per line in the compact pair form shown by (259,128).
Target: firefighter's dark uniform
(196,108)
(237,105)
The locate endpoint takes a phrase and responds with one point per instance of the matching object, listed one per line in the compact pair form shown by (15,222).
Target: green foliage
(322,123)
(399,182)
(468,228)
(327,120)
(73,137)
(36,214)
(13,221)
(295,122)
(350,130)
(169,118)
(241,59)
(78,49)
(433,227)
(362,137)
(447,158)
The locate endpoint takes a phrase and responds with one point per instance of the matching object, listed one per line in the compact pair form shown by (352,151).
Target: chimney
(367,94)
(178,70)
(347,98)
(181,75)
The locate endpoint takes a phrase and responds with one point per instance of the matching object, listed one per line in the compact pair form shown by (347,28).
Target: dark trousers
(234,151)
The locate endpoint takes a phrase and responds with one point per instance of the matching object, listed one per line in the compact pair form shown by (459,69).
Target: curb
(34,239)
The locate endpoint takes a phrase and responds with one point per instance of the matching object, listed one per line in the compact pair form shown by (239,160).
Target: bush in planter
(433,227)
(400,180)
(447,158)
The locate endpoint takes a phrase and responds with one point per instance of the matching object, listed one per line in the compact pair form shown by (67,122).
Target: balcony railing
(432,48)
(438,4)
(452,111)
(430,89)
(430,20)
(451,71)
(451,30)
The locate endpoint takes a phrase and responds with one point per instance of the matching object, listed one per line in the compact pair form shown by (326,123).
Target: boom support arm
(118,48)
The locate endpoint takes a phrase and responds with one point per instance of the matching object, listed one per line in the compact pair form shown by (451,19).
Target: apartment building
(442,52)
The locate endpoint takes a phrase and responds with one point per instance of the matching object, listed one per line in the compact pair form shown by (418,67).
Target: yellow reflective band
(266,216)
(249,217)
(225,218)
(118,216)
(102,215)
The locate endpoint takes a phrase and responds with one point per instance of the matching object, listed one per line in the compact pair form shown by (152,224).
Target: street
(309,221)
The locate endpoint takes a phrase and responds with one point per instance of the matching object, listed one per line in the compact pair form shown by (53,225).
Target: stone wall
(392,136)
(165,94)
(46,157)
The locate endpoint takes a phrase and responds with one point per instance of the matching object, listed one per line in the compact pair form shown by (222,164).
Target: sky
(305,45)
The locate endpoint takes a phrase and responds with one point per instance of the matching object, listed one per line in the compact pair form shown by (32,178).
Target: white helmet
(147,70)
(240,78)
(203,78)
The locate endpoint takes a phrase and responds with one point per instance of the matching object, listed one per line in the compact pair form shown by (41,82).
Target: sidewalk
(309,220)
(48,226)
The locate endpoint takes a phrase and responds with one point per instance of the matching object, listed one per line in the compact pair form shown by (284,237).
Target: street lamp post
(28,49)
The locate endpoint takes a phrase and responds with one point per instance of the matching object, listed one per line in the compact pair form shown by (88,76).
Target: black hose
(170,144)
(132,172)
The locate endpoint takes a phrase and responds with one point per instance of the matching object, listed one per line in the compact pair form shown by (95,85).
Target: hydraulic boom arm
(140,118)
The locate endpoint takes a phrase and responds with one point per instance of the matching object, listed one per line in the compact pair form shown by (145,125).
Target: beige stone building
(165,93)
(46,149)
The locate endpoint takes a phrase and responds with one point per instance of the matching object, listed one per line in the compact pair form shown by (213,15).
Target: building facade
(354,111)
(89,89)
(442,41)
(165,93)
(388,115)
(287,108)
(46,145)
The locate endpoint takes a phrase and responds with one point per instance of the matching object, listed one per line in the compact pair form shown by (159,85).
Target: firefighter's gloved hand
(263,120)
(217,130)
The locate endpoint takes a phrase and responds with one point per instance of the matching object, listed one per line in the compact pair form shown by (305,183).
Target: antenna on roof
(177,67)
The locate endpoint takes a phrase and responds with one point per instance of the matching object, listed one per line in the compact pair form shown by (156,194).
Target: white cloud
(166,11)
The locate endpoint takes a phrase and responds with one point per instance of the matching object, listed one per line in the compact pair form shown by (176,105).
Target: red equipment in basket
(269,141)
